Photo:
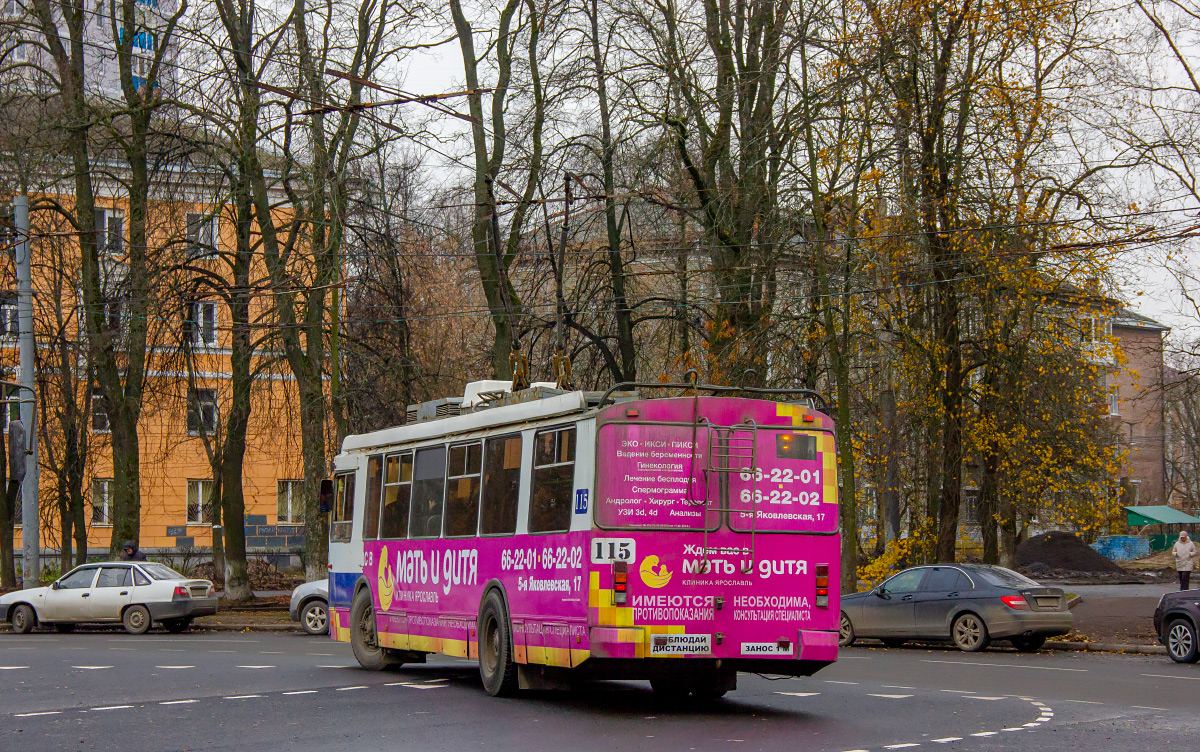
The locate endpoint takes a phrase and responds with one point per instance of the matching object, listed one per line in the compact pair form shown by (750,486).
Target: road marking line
(948,739)
(1172,676)
(326,655)
(178,702)
(211,651)
(396,684)
(174,666)
(1016,728)
(985,733)
(91,668)
(901,746)
(302,692)
(135,649)
(857,750)
(978,697)
(889,697)
(12,668)
(960,691)
(44,712)
(431,681)
(270,652)
(1145,707)
(422,686)
(1010,665)
(1035,724)
(241,697)
(347,689)
(338,666)
(113,707)
(256,667)
(895,686)
(799,694)
(830,681)
(1085,702)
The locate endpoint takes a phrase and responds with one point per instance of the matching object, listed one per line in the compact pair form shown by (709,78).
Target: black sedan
(1176,620)
(967,604)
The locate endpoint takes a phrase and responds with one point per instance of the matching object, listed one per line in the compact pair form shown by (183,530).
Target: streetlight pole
(31,527)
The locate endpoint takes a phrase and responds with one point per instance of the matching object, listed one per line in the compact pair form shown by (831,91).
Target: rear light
(822,586)
(182,592)
(631,412)
(1016,602)
(620,581)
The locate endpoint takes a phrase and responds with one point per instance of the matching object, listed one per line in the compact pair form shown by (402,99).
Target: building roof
(1134,320)
(1159,515)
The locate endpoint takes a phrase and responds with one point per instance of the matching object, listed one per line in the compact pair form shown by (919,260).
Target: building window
(99,414)
(201,325)
(1113,394)
(290,502)
(201,236)
(199,502)
(9,322)
(10,410)
(202,412)
(114,315)
(102,501)
(110,231)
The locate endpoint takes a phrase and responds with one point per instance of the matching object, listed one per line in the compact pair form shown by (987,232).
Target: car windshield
(1002,577)
(161,572)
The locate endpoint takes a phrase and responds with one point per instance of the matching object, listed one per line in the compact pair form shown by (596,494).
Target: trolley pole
(31,526)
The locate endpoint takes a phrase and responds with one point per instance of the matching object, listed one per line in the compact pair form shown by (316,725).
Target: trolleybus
(557,536)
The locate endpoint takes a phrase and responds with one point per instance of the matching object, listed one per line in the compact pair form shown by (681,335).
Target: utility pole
(31,524)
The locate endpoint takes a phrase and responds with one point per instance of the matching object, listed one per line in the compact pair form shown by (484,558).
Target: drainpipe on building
(31,527)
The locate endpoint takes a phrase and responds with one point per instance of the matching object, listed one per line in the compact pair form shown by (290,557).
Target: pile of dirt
(1062,551)
(263,576)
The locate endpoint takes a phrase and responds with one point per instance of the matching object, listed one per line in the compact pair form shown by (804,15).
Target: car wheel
(64,627)
(1181,642)
(969,633)
(23,619)
(497,668)
(364,639)
(892,642)
(315,618)
(845,632)
(137,620)
(175,626)
(1028,644)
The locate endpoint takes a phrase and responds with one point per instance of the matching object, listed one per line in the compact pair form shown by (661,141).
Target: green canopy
(1159,515)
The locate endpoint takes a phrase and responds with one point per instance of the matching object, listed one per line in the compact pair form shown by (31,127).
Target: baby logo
(654,579)
(387,582)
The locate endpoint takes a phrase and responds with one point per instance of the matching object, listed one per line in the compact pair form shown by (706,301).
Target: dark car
(967,604)
(1176,621)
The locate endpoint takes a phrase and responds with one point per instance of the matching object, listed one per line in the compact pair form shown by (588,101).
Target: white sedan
(135,594)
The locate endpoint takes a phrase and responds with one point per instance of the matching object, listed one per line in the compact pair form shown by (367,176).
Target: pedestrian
(1185,552)
(133,554)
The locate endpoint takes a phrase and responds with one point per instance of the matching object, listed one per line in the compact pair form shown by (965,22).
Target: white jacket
(1184,554)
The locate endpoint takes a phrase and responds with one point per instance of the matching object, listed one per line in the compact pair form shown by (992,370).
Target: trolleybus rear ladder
(733,449)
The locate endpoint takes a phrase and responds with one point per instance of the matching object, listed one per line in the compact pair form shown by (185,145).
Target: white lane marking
(270,652)
(986,733)
(211,651)
(256,667)
(1145,707)
(1085,702)
(338,666)
(302,692)
(1013,665)
(178,702)
(1173,676)
(12,668)
(91,668)
(113,707)
(799,694)
(895,686)
(960,691)
(174,666)
(347,689)
(44,712)
(1035,724)
(133,649)
(889,697)
(901,746)
(1017,728)
(830,681)
(948,739)
(431,681)
(857,750)
(978,697)
(242,697)
(421,686)
(326,655)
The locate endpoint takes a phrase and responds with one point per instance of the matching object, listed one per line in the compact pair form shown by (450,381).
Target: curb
(246,627)
(1107,647)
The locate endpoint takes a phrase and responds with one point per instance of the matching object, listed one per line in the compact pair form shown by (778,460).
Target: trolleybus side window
(374,486)
(553,480)
(343,508)
(501,485)
(462,489)
(397,489)
(428,490)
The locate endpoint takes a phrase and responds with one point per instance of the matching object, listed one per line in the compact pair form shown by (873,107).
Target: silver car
(310,606)
(967,604)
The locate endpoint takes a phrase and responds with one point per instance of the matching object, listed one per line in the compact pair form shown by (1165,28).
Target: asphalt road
(110,691)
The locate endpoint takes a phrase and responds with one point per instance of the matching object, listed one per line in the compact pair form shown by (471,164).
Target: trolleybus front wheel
(497,668)
(364,640)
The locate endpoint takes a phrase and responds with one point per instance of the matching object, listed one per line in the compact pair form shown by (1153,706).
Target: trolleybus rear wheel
(364,640)
(497,668)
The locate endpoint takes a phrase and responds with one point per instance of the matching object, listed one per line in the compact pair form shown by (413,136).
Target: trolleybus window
(428,489)
(374,486)
(553,480)
(462,491)
(396,491)
(343,508)
(501,485)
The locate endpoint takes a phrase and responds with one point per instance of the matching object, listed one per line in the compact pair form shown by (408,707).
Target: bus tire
(497,668)
(364,640)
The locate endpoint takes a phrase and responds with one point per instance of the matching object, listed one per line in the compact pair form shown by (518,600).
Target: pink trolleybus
(556,536)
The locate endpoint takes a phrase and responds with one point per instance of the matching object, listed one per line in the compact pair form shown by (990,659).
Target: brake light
(620,581)
(822,586)
(181,591)
(1016,602)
